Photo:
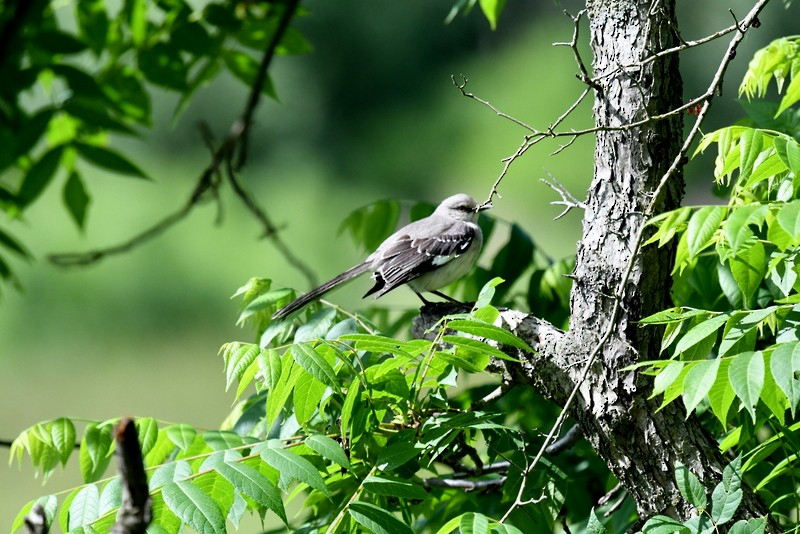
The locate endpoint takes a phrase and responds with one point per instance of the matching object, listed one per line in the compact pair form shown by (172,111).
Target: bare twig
(568,200)
(466,485)
(573,44)
(241,128)
(136,510)
(713,87)
(565,442)
(618,493)
(461,87)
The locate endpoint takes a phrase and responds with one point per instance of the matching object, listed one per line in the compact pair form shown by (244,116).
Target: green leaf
(791,97)
(788,150)
(737,226)
(255,485)
(181,435)
(690,487)
(163,65)
(76,199)
(789,218)
(307,396)
(110,497)
(245,68)
(93,23)
(661,524)
(785,366)
(137,20)
(491,10)
(672,315)
(751,143)
(317,326)
(487,292)
(108,159)
(95,453)
(728,494)
(377,520)
(292,467)
(702,227)
(746,374)
(397,454)
(62,434)
(147,430)
(370,225)
(666,377)
(38,176)
(470,344)
(310,360)
(513,258)
(700,332)
(739,326)
(84,507)
(698,382)
(752,526)
(283,387)
(722,395)
(238,357)
(393,488)
(194,507)
(379,344)
(328,449)
(749,268)
(162,448)
(220,440)
(593,525)
(170,472)
(489,331)
(128,95)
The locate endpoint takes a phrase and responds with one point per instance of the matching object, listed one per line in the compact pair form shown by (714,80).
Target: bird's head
(461,207)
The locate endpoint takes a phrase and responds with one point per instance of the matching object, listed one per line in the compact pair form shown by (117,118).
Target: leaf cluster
(730,342)
(77,77)
(368,429)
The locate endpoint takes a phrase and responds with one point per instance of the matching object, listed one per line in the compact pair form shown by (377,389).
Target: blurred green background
(370,114)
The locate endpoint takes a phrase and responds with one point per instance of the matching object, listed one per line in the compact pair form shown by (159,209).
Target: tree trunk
(640,445)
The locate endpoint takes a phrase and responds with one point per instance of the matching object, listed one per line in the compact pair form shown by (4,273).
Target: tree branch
(579,381)
(237,139)
(136,510)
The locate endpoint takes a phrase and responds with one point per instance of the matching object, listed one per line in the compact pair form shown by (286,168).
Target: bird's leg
(424,301)
(440,294)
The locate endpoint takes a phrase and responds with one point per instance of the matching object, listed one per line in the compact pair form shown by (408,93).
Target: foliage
(725,499)
(77,77)
(732,341)
(363,424)
(376,432)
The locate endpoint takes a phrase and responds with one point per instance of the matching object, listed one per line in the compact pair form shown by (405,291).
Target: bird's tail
(317,292)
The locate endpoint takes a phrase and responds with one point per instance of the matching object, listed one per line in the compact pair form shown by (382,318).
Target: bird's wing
(403,258)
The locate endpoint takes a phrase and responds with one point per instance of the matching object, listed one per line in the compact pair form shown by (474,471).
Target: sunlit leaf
(194,507)
(746,374)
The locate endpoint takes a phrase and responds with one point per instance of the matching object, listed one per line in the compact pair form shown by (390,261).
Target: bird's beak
(485,206)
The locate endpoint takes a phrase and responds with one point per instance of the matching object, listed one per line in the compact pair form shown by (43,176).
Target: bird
(427,254)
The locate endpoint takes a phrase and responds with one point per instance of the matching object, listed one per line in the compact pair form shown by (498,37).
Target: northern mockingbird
(426,254)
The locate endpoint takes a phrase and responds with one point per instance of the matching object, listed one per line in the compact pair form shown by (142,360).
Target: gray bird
(427,254)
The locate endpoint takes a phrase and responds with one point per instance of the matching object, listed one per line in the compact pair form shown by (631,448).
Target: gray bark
(640,445)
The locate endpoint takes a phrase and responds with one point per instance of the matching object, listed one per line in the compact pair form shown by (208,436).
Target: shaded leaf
(377,520)
(108,159)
